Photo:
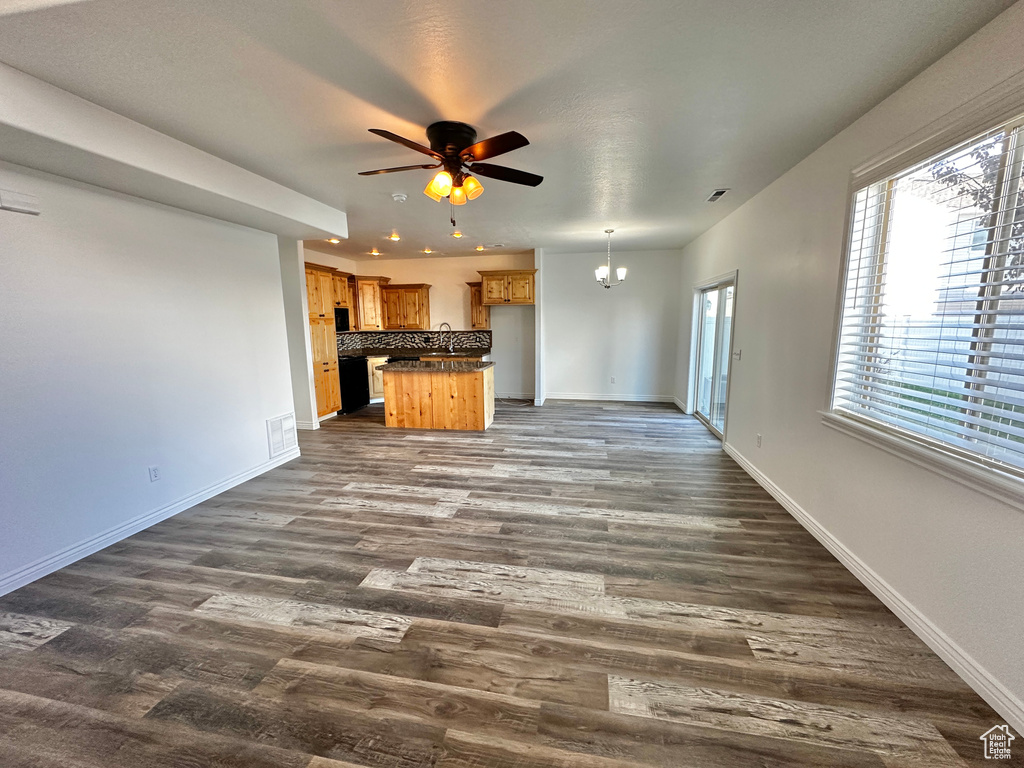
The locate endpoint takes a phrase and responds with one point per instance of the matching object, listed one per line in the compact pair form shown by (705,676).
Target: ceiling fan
(458,154)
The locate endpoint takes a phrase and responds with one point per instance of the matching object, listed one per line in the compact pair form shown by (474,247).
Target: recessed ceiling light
(427,250)
(375,252)
(456,234)
(333,240)
(479,247)
(497,245)
(394,236)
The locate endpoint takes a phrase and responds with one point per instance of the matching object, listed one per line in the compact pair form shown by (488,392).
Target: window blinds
(931,342)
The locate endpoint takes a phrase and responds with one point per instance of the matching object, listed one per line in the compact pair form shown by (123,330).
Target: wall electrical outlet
(758,439)
(154,473)
(613,379)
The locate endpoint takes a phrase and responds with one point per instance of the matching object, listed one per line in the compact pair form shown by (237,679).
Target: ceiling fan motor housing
(448,137)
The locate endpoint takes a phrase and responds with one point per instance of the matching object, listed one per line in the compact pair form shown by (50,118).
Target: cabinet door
(340,290)
(333,387)
(376,377)
(413,309)
(369,305)
(391,298)
(312,293)
(479,315)
(494,289)
(326,283)
(320,381)
(520,289)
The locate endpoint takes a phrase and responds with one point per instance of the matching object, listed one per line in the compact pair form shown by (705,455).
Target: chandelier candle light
(603,273)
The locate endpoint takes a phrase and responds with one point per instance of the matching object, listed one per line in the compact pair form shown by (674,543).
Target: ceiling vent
(717,195)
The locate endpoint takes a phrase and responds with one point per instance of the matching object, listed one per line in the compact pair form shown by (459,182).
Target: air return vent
(281,434)
(717,195)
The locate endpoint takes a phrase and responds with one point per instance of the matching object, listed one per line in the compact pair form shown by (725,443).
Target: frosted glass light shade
(431,193)
(458,196)
(601,273)
(472,187)
(440,185)
(621,273)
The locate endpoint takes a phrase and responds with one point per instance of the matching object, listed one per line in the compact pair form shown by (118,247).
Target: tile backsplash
(353,341)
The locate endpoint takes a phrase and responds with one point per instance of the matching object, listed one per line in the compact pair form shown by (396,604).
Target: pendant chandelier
(603,273)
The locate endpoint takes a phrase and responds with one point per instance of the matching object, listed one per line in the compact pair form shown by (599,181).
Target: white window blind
(931,343)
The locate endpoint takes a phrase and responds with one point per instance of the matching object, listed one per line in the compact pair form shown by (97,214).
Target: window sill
(999,485)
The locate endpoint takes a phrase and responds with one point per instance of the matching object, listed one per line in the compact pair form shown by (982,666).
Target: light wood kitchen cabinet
(340,285)
(369,309)
(328,388)
(375,377)
(479,315)
(406,307)
(312,293)
(509,286)
(322,291)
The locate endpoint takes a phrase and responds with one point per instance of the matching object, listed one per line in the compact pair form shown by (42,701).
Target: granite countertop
(417,366)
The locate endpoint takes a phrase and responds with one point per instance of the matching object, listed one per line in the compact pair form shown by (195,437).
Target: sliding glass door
(714,341)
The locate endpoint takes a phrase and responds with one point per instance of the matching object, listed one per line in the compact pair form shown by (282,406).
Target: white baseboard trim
(980,679)
(376,400)
(515,395)
(307,424)
(680,404)
(539,401)
(19,577)
(609,398)
(328,416)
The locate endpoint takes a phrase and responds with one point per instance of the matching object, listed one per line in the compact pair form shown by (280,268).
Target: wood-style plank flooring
(592,585)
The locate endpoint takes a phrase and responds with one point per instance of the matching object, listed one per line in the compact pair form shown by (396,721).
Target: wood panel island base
(439,395)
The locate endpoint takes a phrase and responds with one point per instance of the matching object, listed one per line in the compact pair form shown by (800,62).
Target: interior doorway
(714,352)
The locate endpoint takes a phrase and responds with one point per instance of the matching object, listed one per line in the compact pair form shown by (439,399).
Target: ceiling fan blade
(501,173)
(494,146)
(405,142)
(402,168)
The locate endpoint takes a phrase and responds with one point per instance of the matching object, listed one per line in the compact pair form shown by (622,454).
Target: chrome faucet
(451,337)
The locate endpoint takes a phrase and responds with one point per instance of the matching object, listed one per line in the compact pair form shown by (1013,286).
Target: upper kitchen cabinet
(479,315)
(507,286)
(406,307)
(369,302)
(339,282)
(320,291)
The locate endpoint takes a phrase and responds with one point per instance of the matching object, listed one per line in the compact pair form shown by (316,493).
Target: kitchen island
(438,395)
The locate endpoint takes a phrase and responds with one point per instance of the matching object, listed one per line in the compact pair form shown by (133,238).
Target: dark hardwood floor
(592,585)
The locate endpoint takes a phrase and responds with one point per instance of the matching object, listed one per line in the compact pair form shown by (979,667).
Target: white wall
(512,328)
(132,335)
(953,558)
(592,334)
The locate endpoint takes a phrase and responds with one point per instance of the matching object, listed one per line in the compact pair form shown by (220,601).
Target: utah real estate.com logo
(997,742)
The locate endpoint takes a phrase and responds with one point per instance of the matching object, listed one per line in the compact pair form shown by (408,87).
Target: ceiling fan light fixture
(429,192)
(472,187)
(457,196)
(440,185)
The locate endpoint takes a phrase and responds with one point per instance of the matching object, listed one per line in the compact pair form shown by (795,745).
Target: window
(931,341)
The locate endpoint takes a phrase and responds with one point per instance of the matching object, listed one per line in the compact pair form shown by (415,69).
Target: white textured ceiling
(635,110)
